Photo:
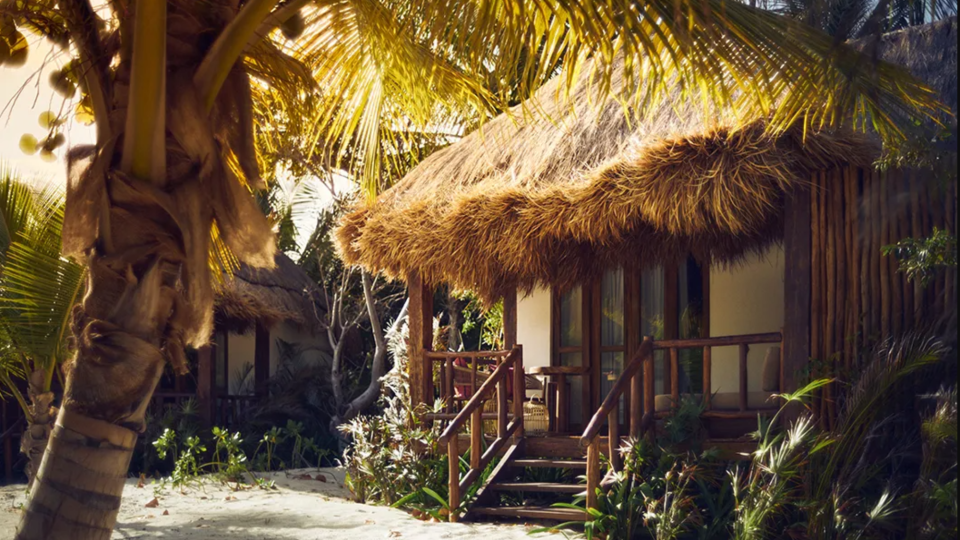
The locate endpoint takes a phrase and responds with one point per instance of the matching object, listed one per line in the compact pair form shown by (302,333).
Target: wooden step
(539,487)
(551,463)
(532,512)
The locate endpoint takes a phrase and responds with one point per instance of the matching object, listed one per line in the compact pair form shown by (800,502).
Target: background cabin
(644,259)
(261,317)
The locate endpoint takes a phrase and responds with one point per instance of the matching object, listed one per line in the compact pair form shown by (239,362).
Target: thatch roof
(557,198)
(256,295)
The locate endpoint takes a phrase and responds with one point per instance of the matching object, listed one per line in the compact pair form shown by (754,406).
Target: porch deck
(604,434)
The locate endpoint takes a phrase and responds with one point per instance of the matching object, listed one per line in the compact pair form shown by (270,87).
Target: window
(599,325)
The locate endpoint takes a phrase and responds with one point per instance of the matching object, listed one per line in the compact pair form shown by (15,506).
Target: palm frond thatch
(582,187)
(264,296)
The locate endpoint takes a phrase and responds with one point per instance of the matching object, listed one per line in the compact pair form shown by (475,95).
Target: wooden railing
(639,377)
(512,365)
(229,411)
(448,369)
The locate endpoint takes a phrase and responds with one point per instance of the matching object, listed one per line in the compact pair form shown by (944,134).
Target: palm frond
(16,204)
(39,287)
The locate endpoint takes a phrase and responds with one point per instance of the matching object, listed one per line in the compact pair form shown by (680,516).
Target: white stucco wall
(533,327)
(241,349)
(745,299)
(311,345)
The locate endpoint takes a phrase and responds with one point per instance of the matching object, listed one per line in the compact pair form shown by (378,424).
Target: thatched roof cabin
(259,296)
(581,187)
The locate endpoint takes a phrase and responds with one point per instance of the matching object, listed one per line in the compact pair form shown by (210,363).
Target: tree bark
(369,396)
(40,419)
(119,330)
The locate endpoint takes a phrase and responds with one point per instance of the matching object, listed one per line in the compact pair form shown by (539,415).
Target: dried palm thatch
(557,191)
(268,296)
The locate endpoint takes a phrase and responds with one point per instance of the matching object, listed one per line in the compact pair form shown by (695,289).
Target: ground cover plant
(804,481)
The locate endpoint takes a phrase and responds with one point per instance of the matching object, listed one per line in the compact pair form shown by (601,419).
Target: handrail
(644,353)
(480,397)
(644,358)
(721,341)
(443,355)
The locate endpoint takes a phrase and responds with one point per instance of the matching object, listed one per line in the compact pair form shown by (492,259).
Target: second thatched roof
(255,295)
(581,187)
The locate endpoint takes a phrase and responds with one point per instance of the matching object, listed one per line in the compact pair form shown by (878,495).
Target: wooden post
(502,408)
(476,438)
(563,404)
(613,421)
(593,472)
(519,391)
(510,319)
(675,377)
(744,377)
(551,403)
(797,288)
(707,377)
(453,458)
(636,405)
(649,389)
(420,340)
(206,379)
(451,393)
(261,360)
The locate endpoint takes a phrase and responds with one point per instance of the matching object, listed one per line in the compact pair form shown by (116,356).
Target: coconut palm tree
(38,289)
(854,19)
(172,85)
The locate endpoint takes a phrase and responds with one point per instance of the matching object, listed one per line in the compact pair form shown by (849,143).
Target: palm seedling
(38,289)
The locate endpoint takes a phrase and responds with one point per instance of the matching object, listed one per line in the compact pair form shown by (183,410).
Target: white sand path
(299,509)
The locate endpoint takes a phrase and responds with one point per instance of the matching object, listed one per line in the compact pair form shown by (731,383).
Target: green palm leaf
(39,287)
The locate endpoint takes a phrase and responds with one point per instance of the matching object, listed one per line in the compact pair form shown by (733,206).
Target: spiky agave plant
(833,484)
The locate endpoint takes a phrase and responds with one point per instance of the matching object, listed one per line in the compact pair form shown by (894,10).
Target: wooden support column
(421,339)
(261,360)
(206,380)
(510,319)
(797,243)
(593,472)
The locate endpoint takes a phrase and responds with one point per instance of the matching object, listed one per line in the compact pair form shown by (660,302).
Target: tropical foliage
(852,482)
(38,289)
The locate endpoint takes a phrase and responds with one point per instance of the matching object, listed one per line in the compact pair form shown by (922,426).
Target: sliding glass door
(598,326)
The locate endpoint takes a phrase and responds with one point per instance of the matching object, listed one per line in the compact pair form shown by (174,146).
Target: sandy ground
(299,509)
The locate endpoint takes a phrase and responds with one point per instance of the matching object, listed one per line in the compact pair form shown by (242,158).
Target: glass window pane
(652,305)
(611,366)
(611,309)
(571,318)
(691,323)
(573,359)
(220,359)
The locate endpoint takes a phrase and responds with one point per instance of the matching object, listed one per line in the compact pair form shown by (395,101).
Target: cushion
(730,401)
(771,370)
(725,401)
(664,402)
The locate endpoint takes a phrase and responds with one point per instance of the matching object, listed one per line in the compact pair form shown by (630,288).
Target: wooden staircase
(581,455)
(513,464)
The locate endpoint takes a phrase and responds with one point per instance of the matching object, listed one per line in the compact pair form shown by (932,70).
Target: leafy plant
(230,461)
(840,483)
(921,259)
(186,470)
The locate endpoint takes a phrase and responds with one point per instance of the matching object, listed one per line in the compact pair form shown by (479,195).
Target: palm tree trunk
(119,330)
(40,417)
